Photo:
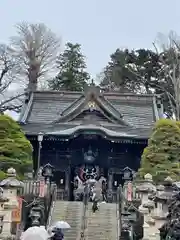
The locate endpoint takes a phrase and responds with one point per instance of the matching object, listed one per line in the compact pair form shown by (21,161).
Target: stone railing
(53,201)
(84,216)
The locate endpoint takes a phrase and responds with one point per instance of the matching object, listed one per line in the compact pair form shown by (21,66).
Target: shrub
(15,149)
(162,155)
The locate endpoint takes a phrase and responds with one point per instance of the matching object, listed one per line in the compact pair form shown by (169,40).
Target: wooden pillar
(110,186)
(67,182)
(68,178)
(35,155)
(110,179)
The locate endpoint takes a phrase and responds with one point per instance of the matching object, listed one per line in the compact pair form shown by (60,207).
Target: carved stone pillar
(110,185)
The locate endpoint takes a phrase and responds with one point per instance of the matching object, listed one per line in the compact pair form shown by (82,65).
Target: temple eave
(90,129)
(65,131)
(125,140)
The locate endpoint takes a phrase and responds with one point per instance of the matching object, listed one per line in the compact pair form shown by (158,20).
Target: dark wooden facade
(113,126)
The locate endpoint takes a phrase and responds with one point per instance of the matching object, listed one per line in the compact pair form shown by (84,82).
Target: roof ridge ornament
(92,90)
(92,82)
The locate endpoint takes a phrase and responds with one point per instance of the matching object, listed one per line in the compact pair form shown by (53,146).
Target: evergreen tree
(116,75)
(132,71)
(162,156)
(141,71)
(72,74)
(15,149)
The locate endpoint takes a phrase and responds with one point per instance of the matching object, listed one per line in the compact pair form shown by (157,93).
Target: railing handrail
(84,216)
(117,213)
(54,195)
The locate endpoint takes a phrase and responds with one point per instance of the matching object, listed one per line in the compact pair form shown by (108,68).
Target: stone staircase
(70,212)
(102,225)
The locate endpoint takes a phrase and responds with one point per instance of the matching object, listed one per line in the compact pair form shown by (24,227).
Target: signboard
(129,191)
(16,213)
(42,189)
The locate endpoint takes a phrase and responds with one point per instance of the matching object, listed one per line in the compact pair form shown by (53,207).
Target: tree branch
(11,99)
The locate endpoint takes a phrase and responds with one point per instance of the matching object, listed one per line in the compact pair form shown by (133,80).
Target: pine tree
(72,74)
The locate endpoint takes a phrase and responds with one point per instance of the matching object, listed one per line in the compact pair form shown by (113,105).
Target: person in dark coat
(95,205)
(58,234)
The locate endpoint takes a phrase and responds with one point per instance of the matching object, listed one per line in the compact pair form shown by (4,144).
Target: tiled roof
(45,108)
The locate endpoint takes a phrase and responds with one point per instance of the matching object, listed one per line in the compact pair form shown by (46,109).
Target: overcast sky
(100,26)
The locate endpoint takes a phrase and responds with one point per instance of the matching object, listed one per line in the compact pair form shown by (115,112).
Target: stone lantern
(134,221)
(125,224)
(160,188)
(133,216)
(171,227)
(127,174)
(162,200)
(125,232)
(150,205)
(10,187)
(36,215)
(164,196)
(144,189)
(128,218)
(150,230)
(47,172)
(125,214)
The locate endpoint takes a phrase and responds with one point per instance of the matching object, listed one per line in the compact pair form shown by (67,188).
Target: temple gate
(88,135)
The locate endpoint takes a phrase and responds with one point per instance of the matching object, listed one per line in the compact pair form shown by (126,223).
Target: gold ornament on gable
(91,104)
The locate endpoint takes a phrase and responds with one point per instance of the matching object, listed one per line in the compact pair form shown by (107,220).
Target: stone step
(102,224)
(70,212)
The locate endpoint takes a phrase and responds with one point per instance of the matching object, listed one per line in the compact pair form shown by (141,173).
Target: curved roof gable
(89,100)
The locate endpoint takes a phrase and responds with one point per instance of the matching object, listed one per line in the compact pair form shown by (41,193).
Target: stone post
(10,186)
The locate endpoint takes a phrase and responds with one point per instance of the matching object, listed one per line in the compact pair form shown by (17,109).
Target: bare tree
(170,57)
(36,47)
(9,80)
